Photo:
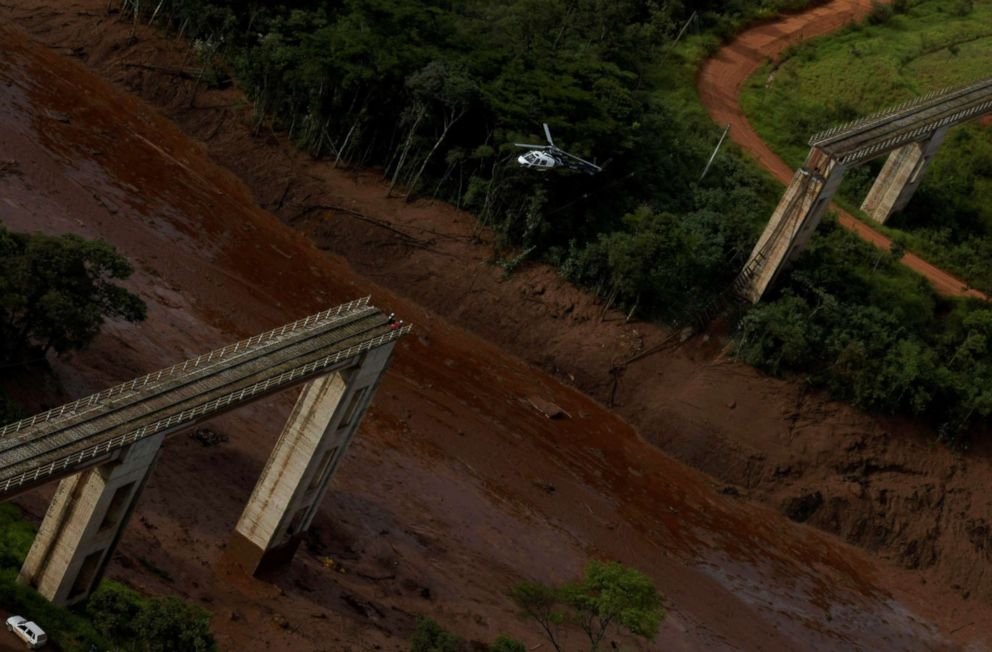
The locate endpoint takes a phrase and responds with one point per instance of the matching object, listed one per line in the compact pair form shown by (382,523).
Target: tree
(166,624)
(431,637)
(449,90)
(56,291)
(112,610)
(609,595)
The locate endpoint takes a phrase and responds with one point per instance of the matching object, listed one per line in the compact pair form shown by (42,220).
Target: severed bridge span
(910,134)
(104,446)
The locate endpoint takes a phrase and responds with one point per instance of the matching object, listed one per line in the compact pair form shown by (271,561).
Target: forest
(434,93)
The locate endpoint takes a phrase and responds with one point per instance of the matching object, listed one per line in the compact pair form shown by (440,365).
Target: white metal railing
(193,363)
(879,117)
(182,418)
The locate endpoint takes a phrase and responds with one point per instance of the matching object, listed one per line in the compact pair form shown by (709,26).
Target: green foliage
(854,322)
(506,644)
(165,624)
(609,595)
(880,13)
(145,624)
(16,535)
(431,637)
(56,291)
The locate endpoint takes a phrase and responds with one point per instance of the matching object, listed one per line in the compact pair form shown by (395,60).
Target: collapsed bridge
(104,446)
(911,134)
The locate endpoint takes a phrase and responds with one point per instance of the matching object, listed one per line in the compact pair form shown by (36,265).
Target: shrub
(431,637)
(880,13)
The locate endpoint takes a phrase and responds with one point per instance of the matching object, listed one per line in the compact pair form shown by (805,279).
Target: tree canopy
(609,596)
(56,292)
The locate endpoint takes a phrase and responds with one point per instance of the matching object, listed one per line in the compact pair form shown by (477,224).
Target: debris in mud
(546,487)
(362,607)
(58,116)
(548,409)
(207,437)
(801,508)
(10,167)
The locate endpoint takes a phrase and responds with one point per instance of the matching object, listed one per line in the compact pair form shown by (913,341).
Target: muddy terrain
(458,487)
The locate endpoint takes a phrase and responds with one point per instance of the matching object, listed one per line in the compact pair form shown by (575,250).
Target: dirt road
(722,78)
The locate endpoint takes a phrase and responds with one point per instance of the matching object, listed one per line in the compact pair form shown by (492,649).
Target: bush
(880,13)
(431,637)
(166,624)
(507,644)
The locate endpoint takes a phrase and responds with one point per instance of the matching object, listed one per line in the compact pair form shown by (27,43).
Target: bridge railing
(189,415)
(187,365)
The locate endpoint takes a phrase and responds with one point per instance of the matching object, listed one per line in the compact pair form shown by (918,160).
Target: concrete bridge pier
(901,176)
(793,222)
(85,521)
(296,476)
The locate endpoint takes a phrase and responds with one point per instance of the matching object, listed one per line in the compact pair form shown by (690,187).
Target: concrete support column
(84,522)
(901,176)
(296,476)
(793,222)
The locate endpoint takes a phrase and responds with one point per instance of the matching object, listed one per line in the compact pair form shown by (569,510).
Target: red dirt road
(722,78)
(456,487)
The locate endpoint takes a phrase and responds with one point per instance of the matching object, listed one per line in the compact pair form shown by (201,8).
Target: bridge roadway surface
(911,122)
(93,430)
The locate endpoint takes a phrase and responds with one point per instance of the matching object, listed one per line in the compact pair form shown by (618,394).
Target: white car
(27,631)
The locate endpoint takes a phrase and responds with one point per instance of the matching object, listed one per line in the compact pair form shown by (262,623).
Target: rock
(548,409)
(280,621)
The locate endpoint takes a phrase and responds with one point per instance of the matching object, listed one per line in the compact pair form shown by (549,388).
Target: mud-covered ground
(457,487)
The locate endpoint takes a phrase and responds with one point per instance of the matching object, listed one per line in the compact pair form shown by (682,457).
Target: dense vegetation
(56,292)
(114,617)
(434,93)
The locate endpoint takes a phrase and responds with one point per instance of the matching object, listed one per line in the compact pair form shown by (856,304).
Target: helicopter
(545,157)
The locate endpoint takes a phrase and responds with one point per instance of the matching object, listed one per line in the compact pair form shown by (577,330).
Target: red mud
(722,78)
(499,491)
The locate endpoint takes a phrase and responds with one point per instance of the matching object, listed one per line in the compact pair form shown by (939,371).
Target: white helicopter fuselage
(537,159)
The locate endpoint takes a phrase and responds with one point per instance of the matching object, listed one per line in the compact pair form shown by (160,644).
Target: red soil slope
(722,77)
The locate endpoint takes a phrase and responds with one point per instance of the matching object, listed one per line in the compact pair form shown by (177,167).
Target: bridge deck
(86,432)
(883,132)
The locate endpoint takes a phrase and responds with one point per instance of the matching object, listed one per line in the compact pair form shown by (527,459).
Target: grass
(865,68)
